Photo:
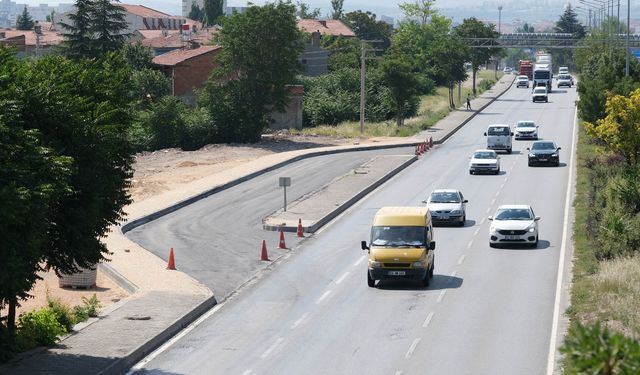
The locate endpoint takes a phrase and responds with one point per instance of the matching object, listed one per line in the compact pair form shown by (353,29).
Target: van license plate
(397,273)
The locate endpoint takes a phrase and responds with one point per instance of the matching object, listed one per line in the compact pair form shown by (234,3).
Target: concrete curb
(340,209)
(114,275)
(463,123)
(122,365)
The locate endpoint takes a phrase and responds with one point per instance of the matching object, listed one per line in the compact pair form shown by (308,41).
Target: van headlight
(418,264)
(531,155)
(492,230)
(374,264)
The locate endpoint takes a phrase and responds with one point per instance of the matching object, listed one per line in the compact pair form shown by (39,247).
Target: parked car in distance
(507,70)
(540,94)
(447,206)
(484,161)
(563,70)
(522,81)
(526,130)
(565,80)
(499,137)
(544,152)
(514,224)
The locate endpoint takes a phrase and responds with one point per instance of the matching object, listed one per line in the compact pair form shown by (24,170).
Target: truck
(525,68)
(543,71)
(401,245)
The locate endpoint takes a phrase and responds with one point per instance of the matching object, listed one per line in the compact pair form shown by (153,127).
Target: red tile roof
(175,57)
(173,40)
(325,27)
(149,34)
(143,11)
(47,38)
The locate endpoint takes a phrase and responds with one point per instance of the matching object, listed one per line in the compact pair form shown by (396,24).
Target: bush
(486,84)
(64,314)
(594,350)
(40,327)
(198,129)
(91,305)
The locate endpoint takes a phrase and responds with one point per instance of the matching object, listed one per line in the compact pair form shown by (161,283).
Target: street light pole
(499,18)
(626,65)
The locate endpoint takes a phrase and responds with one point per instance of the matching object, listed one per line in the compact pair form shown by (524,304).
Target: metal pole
(285,199)
(626,65)
(618,32)
(362,93)
(499,18)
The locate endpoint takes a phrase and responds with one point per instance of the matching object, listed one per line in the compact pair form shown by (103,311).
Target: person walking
(469,101)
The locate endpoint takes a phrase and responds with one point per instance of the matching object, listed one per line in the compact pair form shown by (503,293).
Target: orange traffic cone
(264,255)
(300,232)
(172,263)
(417,150)
(282,245)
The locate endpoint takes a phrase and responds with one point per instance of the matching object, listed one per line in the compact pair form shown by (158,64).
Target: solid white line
(428,320)
(461,259)
(360,260)
(412,348)
(272,348)
(477,231)
(341,279)
(325,295)
(556,306)
(299,321)
(441,296)
(138,366)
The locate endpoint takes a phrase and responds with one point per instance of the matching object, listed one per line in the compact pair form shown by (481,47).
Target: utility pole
(363,58)
(626,65)
(499,18)
(618,32)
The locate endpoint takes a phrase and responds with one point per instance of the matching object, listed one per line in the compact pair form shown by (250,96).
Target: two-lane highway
(487,311)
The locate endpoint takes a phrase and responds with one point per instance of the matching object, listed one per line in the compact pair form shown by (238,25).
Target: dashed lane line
(323,297)
(461,259)
(344,276)
(359,260)
(428,320)
(477,231)
(441,296)
(412,348)
(299,321)
(272,348)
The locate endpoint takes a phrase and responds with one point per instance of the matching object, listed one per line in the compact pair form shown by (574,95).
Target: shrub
(64,314)
(91,305)
(40,327)
(486,84)
(594,350)
(198,129)
(81,314)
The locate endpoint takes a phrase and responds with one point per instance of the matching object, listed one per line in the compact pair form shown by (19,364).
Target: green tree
(337,9)
(148,86)
(304,11)
(568,23)
(526,28)
(344,52)
(421,10)
(212,10)
(474,28)
(137,55)
(400,79)
(108,26)
(259,65)
(196,13)
(78,33)
(367,27)
(24,21)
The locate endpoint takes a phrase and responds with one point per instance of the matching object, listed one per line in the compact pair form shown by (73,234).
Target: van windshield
(502,130)
(398,236)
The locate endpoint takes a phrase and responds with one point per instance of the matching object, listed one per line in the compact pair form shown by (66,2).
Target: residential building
(35,42)
(163,41)
(314,59)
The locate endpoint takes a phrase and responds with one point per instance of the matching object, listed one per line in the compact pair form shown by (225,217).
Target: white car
(484,161)
(563,70)
(514,224)
(522,81)
(565,80)
(540,94)
(447,206)
(507,70)
(526,130)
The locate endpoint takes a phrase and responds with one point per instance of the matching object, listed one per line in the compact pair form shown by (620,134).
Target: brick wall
(192,74)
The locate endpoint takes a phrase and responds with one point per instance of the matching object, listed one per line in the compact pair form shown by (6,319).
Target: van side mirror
(512,134)
(363,245)
(528,149)
(559,148)
(485,134)
(490,217)
(424,201)
(432,245)
(465,201)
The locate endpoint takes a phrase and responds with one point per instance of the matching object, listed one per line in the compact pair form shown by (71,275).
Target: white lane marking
(272,348)
(427,320)
(247,372)
(488,209)
(469,244)
(341,279)
(556,306)
(477,230)
(412,348)
(505,179)
(493,201)
(299,321)
(398,372)
(325,295)
(140,365)
(482,221)
(501,186)
(441,296)
(359,260)
(461,259)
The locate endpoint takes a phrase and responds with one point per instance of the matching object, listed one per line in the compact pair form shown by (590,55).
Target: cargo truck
(543,71)
(525,68)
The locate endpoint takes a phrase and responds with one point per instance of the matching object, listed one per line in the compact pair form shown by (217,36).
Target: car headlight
(554,155)
(374,264)
(418,264)
(532,228)
(532,155)
(492,230)
(456,212)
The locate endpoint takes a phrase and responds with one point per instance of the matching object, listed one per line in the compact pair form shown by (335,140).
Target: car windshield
(523,78)
(484,155)
(564,77)
(445,197)
(498,130)
(525,124)
(540,90)
(543,146)
(513,214)
(398,236)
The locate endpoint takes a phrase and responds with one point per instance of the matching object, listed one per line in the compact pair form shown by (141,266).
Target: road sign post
(284,182)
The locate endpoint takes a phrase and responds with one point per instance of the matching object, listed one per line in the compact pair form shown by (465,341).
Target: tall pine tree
(212,11)
(568,23)
(78,38)
(24,21)
(108,27)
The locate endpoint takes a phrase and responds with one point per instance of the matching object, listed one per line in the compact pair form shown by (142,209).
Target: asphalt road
(487,311)
(218,240)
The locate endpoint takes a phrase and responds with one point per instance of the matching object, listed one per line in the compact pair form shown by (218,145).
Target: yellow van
(402,245)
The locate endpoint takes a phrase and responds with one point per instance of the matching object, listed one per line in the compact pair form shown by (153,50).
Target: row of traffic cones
(171,264)
(423,147)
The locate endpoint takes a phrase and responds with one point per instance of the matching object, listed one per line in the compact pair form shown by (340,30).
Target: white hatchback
(526,130)
(484,161)
(512,225)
